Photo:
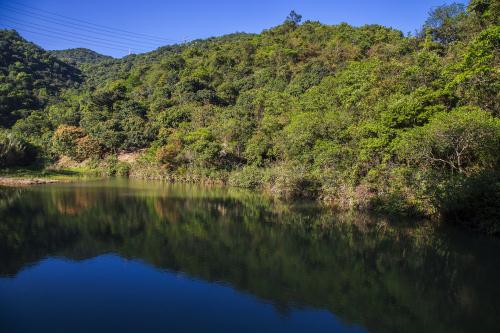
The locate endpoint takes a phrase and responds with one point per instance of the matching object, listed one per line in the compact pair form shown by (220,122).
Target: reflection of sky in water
(109,293)
(229,260)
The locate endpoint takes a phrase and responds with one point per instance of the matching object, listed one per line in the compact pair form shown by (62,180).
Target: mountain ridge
(79,55)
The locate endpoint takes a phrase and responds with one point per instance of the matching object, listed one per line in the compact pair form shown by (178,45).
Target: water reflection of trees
(385,277)
(73,201)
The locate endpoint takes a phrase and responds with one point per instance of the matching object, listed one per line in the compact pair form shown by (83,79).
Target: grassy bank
(43,175)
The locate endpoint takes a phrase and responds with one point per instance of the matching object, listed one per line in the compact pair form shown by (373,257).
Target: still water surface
(132,256)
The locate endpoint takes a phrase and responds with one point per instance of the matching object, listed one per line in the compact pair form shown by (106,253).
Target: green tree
(293,18)
(65,140)
(463,141)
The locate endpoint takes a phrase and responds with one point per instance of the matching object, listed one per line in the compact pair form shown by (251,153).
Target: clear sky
(146,24)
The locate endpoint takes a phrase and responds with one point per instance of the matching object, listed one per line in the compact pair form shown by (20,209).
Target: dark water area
(133,256)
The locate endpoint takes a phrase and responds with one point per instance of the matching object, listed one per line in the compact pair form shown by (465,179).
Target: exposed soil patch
(9,181)
(130,157)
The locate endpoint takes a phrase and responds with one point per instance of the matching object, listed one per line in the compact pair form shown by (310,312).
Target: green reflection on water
(387,277)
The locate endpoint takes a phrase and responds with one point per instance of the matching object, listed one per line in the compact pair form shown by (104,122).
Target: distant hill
(79,56)
(29,77)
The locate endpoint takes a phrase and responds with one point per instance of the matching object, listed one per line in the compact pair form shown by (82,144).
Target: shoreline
(40,179)
(29,177)
(25,181)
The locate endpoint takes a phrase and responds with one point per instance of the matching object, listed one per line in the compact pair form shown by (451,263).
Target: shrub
(167,155)
(457,154)
(65,138)
(15,151)
(122,169)
(249,176)
(474,202)
(87,147)
(202,148)
(291,180)
(463,141)
(114,167)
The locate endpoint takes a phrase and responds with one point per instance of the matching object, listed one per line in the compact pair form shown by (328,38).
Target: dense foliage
(29,78)
(79,56)
(363,116)
(15,151)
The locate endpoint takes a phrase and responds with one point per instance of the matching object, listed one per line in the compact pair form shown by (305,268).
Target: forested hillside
(359,116)
(29,77)
(79,56)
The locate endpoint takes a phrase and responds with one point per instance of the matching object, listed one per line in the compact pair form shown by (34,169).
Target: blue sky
(161,22)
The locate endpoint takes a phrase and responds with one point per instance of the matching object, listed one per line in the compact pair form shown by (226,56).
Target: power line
(78,43)
(55,37)
(95,24)
(36,25)
(82,40)
(102,27)
(78,35)
(72,25)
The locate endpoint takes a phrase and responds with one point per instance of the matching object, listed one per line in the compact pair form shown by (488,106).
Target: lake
(134,256)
